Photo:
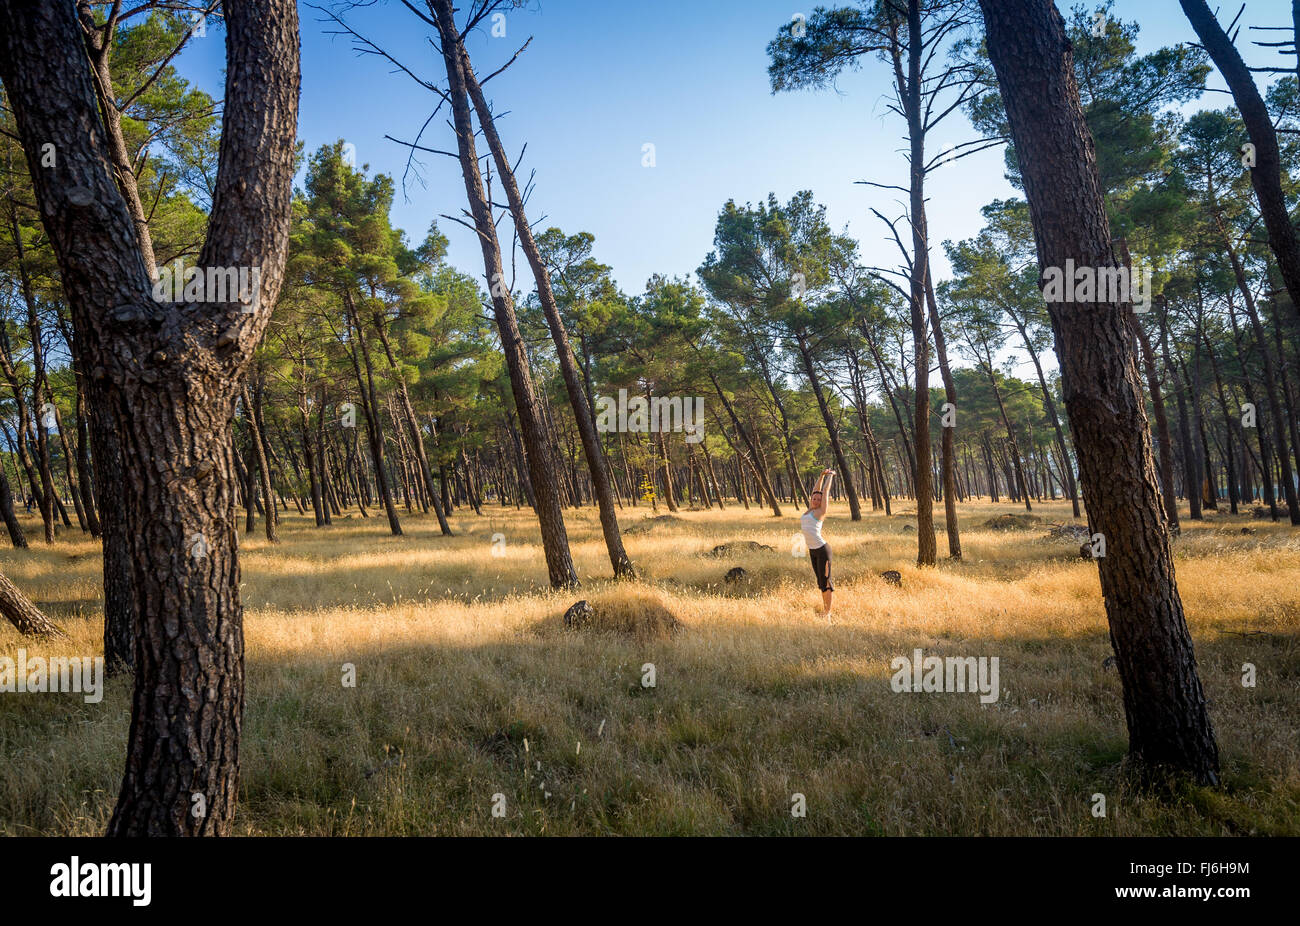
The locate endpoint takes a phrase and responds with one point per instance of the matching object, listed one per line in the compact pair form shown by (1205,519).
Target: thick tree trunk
(1168,721)
(25,616)
(169,375)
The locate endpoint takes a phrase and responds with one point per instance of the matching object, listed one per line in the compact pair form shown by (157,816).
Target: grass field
(468,687)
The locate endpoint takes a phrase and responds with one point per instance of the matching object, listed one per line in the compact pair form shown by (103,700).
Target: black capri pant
(821,564)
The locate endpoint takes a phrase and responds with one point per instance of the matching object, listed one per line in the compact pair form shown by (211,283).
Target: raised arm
(824,486)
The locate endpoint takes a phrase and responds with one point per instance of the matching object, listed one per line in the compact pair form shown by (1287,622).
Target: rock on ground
(1013,522)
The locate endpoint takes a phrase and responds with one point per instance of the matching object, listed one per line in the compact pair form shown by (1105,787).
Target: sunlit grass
(466,683)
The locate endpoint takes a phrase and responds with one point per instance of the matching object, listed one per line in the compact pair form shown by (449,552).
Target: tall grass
(469,694)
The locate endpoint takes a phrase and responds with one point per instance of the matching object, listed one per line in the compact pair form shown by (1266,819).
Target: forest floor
(468,687)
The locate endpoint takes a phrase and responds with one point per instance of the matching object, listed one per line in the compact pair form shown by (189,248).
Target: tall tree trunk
(910,90)
(1168,721)
(264,474)
(82,414)
(555,538)
(365,375)
(948,451)
(846,480)
(1049,405)
(1272,387)
(169,373)
(1191,485)
(582,411)
(1267,487)
(415,433)
(1164,441)
(1266,175)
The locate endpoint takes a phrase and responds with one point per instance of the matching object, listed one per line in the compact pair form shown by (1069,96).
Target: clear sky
(602,78)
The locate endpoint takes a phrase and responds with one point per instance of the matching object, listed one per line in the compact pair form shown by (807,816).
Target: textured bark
(167,376)
(555,539)
(99,48)
(119,593)
(24,615)
(1168,721)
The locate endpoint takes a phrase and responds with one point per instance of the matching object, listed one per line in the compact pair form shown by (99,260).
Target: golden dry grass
(467,687)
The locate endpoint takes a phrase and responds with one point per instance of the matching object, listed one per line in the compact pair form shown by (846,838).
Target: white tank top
(811,526)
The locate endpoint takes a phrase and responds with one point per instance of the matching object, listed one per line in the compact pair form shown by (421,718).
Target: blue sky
(602,79)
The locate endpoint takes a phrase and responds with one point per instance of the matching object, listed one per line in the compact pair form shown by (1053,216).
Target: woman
(818,550)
